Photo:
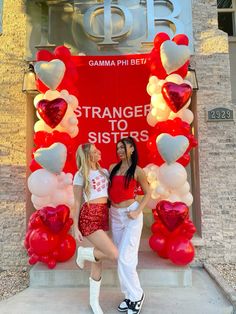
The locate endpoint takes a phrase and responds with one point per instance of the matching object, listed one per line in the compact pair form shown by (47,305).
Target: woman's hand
(133,214)
(77,234)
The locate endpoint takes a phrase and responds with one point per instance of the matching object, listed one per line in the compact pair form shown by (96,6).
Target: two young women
(91,183)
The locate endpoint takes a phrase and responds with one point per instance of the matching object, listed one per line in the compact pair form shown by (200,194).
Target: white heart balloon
(52,158)
(170,147)
(173,56)
(50,73)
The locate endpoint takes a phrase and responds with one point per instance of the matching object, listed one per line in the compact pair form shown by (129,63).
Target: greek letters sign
(127,26)
(113,103)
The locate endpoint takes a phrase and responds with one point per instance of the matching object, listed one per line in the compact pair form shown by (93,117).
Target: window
(226,16)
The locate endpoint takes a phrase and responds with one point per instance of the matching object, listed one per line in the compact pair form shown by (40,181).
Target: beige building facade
(214,167)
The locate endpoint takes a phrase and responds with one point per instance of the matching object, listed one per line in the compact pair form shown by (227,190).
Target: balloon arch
(53,158)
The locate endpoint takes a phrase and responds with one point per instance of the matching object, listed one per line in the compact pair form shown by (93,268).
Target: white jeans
(126,235)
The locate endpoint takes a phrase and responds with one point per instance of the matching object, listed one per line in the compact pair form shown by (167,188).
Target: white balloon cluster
(69,123)
(159,108)
(49,189)
(168,182)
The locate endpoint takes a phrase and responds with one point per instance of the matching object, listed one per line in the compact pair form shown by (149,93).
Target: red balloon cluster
(172,232)
(43,139)
(70,79)
(156,66)
(173,127)
(47,239)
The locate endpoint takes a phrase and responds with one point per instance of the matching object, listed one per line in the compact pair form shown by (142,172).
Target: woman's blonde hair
(83,164)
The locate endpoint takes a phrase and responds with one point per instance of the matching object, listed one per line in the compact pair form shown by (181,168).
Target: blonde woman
(91,217)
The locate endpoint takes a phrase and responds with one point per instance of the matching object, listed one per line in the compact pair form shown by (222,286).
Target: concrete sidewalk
(204,297)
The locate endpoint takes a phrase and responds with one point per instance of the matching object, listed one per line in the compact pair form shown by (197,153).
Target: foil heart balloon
(54,217)
(52,111)
(172,215)
(175,95)
(171,147)
(52,158)
(50,73)
(173,56)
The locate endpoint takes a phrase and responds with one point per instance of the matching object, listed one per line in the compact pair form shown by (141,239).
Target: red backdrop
(113,102)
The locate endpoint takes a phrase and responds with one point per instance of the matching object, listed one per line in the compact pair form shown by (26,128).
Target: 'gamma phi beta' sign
(128,26)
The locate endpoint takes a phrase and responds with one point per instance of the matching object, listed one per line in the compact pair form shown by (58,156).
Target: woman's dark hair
(134,160)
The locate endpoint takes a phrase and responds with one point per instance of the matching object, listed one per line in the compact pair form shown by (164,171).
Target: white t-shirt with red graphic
(98,183)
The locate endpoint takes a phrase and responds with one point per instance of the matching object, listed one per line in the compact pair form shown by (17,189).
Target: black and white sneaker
(135,307)
(123,307)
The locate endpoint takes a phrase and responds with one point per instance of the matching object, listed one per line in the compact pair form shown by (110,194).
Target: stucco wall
(13,136)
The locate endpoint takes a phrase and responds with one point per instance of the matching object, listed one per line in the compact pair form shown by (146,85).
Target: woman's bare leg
(103,246)
(96,271)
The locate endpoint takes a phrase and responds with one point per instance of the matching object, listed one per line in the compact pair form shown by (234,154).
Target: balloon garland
(170,143)
(53,162)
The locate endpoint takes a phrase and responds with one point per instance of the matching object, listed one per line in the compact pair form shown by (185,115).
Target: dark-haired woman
(127,221)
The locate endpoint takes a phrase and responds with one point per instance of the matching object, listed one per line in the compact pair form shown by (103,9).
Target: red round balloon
(184,160)
(51,263)
(66,248)
(181,39)
(33,259)
(159,39)
(42,241)
(180,250)
(158,226)
(44,55)
(34,165)
(62,53)
(158,243)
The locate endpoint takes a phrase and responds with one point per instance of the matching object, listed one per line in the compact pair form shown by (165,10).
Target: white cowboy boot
(94,295)
(84,254)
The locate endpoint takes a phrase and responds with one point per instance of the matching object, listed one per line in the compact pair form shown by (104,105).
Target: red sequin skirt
(93,217)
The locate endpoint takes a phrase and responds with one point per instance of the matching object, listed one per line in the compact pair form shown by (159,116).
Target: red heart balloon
(172,215)
(52,111)
(180,250)
(55,218)
(175,95)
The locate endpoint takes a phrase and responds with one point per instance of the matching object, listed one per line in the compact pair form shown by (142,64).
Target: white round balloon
(174,198)
(42,183)
(154,185)
(184,189)
(151,120)
(37,99)
(151,176)
(187,116)
(187,199)
(175,78)
(52,94)
(40,125)
(153,80)
(172,176)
